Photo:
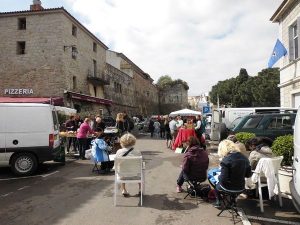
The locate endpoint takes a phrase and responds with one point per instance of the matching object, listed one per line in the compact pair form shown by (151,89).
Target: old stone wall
(41,67)
(173,98)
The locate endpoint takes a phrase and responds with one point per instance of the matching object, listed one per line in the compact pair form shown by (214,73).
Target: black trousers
(82,146)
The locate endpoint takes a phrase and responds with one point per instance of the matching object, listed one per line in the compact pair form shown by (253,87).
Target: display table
(183,136)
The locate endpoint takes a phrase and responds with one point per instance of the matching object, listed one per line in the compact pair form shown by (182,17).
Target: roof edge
(55,10)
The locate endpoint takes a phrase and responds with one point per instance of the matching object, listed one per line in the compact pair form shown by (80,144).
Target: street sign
(206,109)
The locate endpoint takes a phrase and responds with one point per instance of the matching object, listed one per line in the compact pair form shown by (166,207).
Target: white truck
(226,118)
(29,135)
(295,182)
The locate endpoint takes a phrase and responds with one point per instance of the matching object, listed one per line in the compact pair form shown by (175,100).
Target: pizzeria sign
(18,91)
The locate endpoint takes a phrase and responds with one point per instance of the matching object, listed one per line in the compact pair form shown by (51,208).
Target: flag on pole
(278,51)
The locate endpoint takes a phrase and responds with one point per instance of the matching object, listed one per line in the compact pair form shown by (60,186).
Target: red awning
(88,98)
(54,100)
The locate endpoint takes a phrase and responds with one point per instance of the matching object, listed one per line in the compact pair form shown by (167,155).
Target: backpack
(203,190)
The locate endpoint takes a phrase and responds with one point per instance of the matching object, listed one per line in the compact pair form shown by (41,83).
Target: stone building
(135,92)
(50,53)
(49,56)
(173,98)
(288,18)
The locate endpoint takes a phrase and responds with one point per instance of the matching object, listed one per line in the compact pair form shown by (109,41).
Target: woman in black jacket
(234,168)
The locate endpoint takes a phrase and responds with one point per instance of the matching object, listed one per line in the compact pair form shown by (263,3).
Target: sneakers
(179,189)
(125,193)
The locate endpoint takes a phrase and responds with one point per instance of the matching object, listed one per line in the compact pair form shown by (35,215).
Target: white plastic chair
(276,161)
(129,169)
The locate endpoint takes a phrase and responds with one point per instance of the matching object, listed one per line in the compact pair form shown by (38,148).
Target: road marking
(18,178)
(243,216)
(273,220)
(5,195)
(22,188)
(49,174)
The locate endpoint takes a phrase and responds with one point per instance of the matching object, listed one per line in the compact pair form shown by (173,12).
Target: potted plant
(284,146)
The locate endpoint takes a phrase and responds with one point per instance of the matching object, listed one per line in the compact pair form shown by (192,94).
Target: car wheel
(24,164)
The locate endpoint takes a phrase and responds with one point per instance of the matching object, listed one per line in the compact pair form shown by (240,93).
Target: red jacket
(195,163)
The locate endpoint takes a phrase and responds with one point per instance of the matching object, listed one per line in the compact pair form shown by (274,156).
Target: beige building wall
(289,69)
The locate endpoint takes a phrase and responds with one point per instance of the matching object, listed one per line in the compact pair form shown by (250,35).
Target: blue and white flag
(278,51)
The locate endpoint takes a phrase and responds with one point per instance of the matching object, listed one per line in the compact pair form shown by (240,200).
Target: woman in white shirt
(127,142)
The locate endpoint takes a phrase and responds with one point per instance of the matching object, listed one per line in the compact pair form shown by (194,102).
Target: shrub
(244,136)
(284,145)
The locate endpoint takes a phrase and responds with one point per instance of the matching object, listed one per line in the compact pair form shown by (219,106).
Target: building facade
(288,18)
(49,56)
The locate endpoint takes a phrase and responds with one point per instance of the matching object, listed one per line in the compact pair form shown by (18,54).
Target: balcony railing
(98,78)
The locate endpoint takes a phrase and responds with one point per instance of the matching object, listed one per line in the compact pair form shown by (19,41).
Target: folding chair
(258,173)
(192,188)
(229,197)
(129,170)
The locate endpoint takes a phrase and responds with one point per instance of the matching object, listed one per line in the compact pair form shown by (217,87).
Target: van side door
(215,125)
(3,157)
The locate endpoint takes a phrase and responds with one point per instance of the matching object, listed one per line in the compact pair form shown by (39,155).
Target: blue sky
(199,41)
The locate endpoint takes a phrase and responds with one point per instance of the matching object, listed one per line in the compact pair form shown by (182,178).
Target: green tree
(247,91)
(164,80)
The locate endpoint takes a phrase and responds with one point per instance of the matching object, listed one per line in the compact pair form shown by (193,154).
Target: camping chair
(229,197)
(193,189)
(258,173)
(129,170)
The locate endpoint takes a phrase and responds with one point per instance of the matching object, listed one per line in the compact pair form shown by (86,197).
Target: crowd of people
(237,160)
(92,126)
(168,127)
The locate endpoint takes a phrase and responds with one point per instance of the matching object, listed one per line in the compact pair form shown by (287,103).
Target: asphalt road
(72,194)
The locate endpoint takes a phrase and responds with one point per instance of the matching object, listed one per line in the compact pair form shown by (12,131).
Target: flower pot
(285,175)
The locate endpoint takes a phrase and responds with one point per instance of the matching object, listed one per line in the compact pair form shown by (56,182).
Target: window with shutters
(293,42)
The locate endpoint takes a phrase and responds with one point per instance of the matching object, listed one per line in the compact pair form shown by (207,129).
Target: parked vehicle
(29,135)
(271,125)
(295,183)
(222,119)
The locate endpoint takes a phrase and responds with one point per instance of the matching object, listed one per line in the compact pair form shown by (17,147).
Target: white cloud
(199,41)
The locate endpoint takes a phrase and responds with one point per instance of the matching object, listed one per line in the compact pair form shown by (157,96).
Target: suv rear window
(280,122)
(252,122)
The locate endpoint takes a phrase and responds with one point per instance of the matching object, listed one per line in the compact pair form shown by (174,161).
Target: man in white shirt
(179,122)
(173,127)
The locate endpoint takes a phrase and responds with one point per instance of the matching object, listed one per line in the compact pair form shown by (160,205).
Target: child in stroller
(100,153)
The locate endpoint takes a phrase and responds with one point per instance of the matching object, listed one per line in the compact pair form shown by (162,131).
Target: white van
(295,183)
(29,135)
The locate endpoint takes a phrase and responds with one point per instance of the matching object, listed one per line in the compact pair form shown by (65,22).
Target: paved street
(72,194)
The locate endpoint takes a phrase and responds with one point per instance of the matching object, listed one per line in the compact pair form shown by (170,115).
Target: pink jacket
(84,129)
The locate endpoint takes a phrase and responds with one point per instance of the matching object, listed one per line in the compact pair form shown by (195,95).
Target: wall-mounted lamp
(74,50)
